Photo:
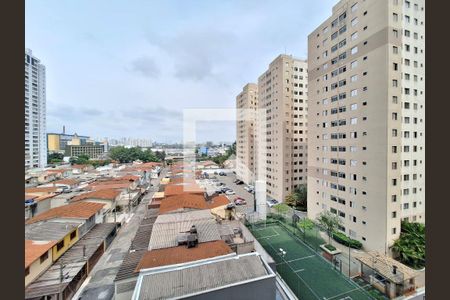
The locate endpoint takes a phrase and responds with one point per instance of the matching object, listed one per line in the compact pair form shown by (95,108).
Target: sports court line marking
(269,236)
(305,257)
(299,270)
(347,297)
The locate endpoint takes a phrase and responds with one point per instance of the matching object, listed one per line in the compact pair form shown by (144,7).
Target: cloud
(196,54)
(145,66)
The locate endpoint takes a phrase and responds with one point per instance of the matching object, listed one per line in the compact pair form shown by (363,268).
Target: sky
(129,68)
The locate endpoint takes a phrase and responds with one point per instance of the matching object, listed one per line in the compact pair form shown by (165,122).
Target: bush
(346,241)
(330,247)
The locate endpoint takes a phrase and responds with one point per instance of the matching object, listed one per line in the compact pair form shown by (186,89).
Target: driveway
(240,192)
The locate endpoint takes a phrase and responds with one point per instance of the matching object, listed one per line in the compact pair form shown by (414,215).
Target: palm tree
(410,247)
(330,222)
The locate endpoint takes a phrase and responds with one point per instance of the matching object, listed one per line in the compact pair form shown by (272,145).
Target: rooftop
(38,190)
(218,201)
(200,277)
(182,254)
(48,231)
(173,189)
(105,194)
(78,210)
(68,181)
(168,227)
(182,201)
(34,250)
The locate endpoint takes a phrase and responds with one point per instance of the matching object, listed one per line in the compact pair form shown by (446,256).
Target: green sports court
(308,275)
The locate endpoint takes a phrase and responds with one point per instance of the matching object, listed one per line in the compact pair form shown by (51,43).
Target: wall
(67,244)
(36,268)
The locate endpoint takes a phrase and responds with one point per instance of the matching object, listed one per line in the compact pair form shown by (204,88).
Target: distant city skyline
(134,77)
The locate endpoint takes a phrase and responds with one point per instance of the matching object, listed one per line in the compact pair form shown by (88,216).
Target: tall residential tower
(35,117)
(282,91)
(246,104)
(366,157)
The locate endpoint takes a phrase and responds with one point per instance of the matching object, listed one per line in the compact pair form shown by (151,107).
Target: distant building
(57,142)
(35,113)
(204,150)
(91,150)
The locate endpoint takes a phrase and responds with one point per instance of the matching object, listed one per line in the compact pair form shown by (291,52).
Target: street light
(282,253)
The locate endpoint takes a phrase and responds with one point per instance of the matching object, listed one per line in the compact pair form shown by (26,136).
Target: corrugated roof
(78,210)
(68,181)
(200,277)
(182,189)
(34,250)
(106,194)
(38,190)
(48,231)
(182,254)
(169,226)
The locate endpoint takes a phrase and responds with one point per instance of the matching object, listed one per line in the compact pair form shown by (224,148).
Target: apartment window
(325,29)
(354,106)
(43,257)
(353,149)
(394,83)
(407,33)
(353,121)
(394,214)
(354,93)
(353,162)
(342,43)
(354,7)
(342,17)
(395,17)
(395,66)
(354,50)
(407,47)
(325,54)
(343,29)
(354,36)
(394,230)
(407,18)
(334,35)
(395,49)
(354,21)
(407,4)
(73,234)
(395,32)
(354,78)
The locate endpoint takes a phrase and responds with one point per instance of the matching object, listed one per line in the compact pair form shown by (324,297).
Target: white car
(272,202)
(230,192)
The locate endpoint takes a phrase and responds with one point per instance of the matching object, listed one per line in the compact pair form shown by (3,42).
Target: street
(100,282)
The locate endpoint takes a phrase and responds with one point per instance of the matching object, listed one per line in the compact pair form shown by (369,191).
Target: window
(354,21)
(325,29)
(354,7)
(343,29)
(394,214)
(354,36)
(334,35)
(354,50)
(353,121)
(27,271)
(73,234)
(395,17)
(354,64)
(325,54)
(43,257)
(354,93)
(394,83)
(353,162)
(395,49)
(354,78)
(354,106)
(60,245)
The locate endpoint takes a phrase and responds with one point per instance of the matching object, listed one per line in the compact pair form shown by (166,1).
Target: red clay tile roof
(218,201)
(176,180)
(96,186)
(105,194)
(176,202)
(67,181)
(171,190)
(38,190)
(34,250)
(78,210)
(44,197)
(29,196)
(182,254)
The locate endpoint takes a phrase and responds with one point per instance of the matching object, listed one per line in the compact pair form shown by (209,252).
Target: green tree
(329,222)
(301,196)
(291,199)
(410,247)
(160,155)
(281,208)
(55,157)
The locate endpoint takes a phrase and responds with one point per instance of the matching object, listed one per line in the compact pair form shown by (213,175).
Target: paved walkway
(100,283)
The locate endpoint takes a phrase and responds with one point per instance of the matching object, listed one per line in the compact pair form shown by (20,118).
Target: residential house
(38,258)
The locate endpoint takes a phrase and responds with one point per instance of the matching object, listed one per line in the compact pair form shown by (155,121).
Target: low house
(80,169)
(247,277)
(35,205)
(38,258)
(87,214)
(182,203)
(31,181)
(65,235)
(75,265)
(67,183)
(177,189)
(218,206)
(104,196)
(156,200)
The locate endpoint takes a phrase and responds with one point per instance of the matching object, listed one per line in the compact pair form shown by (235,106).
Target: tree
(281,208)
(291,199)
(410,247)
(55,157)
(304,225)
(301,198)
(126,155)
(330,222)
(160,155)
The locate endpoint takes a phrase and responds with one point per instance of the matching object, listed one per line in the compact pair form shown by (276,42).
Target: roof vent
(193,229)
(192,240)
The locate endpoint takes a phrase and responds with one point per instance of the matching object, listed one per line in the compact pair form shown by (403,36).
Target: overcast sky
(129,68)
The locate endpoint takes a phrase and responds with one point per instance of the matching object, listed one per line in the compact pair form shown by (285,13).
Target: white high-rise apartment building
(35,113)
(366,157)
(282,91)
(246,104)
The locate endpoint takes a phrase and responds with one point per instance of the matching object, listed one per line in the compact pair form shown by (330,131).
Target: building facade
(35,112)
(91,150)
(366,155)
(57,142)
(247,100)
(282,91)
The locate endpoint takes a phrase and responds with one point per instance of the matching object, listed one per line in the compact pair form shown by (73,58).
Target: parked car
(230,192)
(223,174)
(239,182)
(272,202)
(240,202)
(251,191)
